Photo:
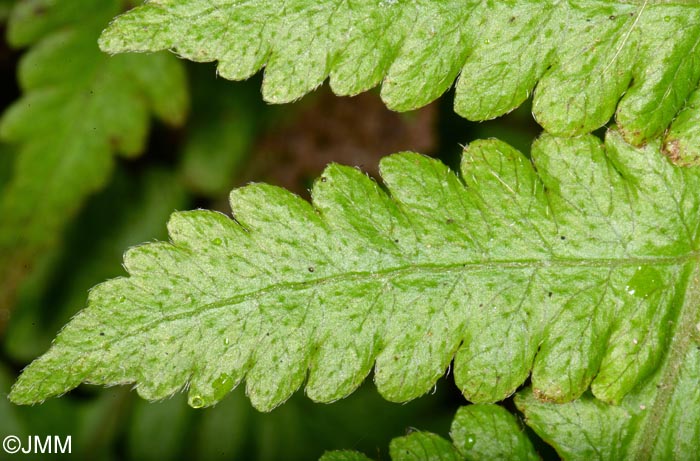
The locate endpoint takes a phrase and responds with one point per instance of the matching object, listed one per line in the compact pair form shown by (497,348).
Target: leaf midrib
(499,265)
(681,341)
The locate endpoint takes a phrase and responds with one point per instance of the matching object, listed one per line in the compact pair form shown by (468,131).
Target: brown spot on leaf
(672,150)
(542,397)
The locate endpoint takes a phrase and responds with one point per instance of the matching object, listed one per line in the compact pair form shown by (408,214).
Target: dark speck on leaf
(324,179)
(311,269)
(512,18)
(563,237)
(102,333)
(549,294)
(450,221)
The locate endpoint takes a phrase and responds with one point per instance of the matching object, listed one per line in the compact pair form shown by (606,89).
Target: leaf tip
(38,382)
(110,41)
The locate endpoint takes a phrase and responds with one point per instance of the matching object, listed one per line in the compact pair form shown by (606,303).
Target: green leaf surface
(660,421)
(572,268)
(585,60)
(490,432)
(79,107)
(478,432)
(423,446)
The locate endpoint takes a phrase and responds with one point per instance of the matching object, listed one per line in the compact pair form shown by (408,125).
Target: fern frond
(574,273)
(585,60)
